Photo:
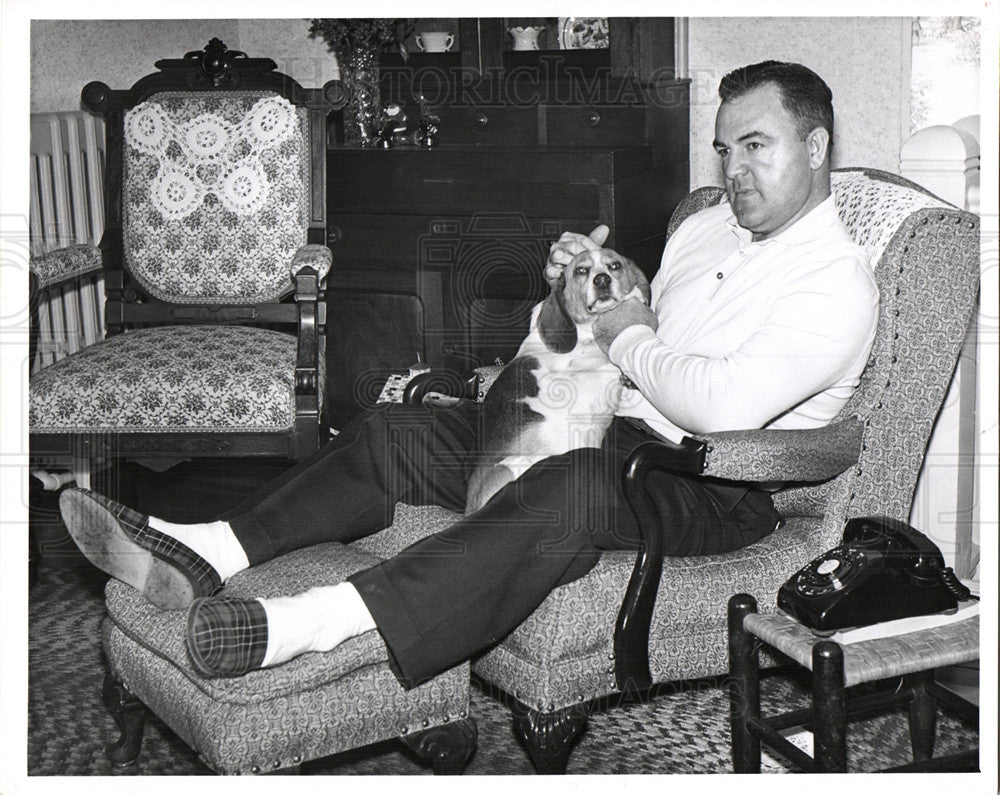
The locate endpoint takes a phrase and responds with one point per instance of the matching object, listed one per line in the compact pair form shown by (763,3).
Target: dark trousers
(456,593)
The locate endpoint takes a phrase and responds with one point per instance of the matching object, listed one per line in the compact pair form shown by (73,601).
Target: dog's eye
(581,271)
(615,265)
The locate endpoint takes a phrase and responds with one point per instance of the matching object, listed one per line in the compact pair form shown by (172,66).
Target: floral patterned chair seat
(180,378)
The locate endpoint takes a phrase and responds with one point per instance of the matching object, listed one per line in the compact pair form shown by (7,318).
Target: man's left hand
(632,312)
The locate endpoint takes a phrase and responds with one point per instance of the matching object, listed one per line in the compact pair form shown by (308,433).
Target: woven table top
(877,658)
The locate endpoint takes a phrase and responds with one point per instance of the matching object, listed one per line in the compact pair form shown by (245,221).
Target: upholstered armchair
(638,620)
(214,254)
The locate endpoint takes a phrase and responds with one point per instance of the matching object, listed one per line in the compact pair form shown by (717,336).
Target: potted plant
(357,44)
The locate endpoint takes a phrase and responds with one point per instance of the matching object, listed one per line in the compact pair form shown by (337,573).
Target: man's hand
(568,246)
(610,324)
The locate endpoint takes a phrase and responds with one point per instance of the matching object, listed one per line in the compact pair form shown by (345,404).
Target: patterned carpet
(683,730)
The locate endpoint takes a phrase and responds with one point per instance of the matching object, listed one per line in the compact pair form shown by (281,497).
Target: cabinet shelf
(644,47)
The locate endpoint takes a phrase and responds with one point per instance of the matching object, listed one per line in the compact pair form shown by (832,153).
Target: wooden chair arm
(445,382)
(771,456)
(631,639)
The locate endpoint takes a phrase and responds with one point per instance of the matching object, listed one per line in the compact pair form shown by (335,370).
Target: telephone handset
(882,570)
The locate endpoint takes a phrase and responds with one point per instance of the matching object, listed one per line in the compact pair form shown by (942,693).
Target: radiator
(67,207)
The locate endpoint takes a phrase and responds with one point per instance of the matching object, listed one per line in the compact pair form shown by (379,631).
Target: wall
(66,55)
(864,61)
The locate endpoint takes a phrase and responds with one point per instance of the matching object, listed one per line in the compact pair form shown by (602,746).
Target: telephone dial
(883,570)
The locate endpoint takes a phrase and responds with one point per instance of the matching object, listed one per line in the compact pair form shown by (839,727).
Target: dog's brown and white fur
(561,392)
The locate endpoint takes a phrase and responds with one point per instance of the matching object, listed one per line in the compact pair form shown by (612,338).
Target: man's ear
(555,327)
(818,142)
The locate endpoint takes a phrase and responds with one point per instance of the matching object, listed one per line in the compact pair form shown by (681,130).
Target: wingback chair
(214,249)
(637,620)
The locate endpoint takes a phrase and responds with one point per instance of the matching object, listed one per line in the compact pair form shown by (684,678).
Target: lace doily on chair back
(215,198)
(873,209)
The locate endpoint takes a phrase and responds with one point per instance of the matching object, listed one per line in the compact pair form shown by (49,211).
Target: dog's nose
(602,281)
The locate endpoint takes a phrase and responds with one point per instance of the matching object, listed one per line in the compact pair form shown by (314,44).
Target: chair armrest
(312,255)
(751,456)
(766,456)
(472,385)
(444,382)
(309,267)
(631,639)
(64,264)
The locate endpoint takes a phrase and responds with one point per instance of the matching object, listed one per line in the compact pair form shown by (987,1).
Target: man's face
(767,166)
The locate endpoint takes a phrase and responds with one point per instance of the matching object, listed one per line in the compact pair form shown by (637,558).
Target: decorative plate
(583,33)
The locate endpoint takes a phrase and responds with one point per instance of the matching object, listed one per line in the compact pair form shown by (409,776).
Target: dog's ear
(555,327)
(640,282)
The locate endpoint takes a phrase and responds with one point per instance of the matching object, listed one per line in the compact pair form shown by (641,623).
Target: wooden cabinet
(438,252)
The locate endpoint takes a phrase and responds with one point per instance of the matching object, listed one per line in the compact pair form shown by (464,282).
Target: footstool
(275,719)
(835,667)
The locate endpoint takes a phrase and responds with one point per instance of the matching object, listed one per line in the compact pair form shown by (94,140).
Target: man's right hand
(568,246)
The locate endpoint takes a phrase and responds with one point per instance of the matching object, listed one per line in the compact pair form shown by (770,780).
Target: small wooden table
(835,667)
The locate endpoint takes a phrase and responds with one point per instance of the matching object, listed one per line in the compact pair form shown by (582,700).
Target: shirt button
(742,253)
(718,275)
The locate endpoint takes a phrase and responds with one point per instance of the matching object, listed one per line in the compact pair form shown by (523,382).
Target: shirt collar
(809,227)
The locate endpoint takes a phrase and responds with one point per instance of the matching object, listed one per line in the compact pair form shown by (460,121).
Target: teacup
(435,40)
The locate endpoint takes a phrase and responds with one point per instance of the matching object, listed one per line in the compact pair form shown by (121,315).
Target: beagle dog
(561,391)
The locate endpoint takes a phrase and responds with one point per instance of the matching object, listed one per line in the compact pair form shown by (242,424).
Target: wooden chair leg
(448,747)
(829,708)
(744,685)
(923,716)
(549,736)
(130,716)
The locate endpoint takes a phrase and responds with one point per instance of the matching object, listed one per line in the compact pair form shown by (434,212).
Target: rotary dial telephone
(883,570)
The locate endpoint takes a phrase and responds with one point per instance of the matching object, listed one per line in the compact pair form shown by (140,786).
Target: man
(763,313)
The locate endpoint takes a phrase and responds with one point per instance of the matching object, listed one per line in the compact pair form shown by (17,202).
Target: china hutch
(438,249)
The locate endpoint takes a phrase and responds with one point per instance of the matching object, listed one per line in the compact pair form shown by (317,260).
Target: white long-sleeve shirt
(771,334)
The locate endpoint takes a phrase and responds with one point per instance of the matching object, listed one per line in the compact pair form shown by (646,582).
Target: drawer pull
(482,119)
(594,118)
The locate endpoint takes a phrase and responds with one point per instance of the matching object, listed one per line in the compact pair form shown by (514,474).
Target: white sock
(214,541)
(317,620)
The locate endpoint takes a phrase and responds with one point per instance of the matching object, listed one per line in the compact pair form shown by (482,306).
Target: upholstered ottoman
(275,719)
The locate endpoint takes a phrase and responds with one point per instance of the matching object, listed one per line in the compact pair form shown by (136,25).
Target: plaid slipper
(226,636)
(120,541)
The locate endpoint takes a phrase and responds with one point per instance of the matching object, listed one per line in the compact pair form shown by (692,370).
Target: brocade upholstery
(566,644)
(310,707)
(172,378)
(784,455)
(216,195)
(66,263)
(317,257)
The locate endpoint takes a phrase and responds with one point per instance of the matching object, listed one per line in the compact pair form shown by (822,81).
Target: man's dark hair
(803,93)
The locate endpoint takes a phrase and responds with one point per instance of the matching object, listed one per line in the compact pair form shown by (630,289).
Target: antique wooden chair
(638,620)
(213,249)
